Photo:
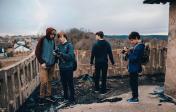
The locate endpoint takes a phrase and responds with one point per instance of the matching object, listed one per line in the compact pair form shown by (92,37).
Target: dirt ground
(85,94)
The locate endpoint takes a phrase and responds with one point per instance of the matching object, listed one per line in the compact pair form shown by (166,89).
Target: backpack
(146,55)
(74,61)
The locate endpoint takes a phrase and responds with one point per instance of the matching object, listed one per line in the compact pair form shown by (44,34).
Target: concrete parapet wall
(17,82)
(155,65)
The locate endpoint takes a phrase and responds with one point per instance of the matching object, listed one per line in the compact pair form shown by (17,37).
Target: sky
(113,17)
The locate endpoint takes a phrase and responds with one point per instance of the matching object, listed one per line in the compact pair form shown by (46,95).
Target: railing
(18,81)
(155,65)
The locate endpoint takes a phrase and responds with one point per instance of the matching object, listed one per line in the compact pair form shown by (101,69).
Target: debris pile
(85,94)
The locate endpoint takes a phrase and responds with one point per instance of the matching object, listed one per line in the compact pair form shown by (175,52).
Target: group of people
(48,54)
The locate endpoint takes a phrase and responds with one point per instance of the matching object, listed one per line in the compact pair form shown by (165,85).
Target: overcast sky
(110,16)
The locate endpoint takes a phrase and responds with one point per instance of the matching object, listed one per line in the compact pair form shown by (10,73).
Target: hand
(57,54)
(114,64)
(54,53)
(43,65)
(125,48)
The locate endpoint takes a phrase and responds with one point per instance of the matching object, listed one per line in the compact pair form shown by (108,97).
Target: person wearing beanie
(46,59)
(100,51)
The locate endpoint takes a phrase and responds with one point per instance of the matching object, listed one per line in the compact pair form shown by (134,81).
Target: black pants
(134,84)
(101,70)
(67,84)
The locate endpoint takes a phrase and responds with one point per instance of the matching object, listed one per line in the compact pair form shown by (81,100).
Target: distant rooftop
(6,45)
(156,1)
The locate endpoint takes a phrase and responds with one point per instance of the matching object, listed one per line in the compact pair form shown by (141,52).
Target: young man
(44,54)
(100,51)
(65,53)
(134,57)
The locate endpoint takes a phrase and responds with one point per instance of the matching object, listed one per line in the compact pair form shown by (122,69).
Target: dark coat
(134,57)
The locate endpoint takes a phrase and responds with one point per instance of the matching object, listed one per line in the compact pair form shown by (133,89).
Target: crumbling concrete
(17,82)
(147,103)
(170,82)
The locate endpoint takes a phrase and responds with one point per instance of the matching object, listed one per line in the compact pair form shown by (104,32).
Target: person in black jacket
(100,51)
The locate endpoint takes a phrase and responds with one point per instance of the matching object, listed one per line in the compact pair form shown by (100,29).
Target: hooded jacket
(44,49)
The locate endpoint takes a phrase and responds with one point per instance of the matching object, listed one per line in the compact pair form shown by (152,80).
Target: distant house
(2,52)
(6,45)
(21,49)
(20,46)
(5,48)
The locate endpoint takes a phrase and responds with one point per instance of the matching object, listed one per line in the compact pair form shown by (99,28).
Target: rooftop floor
(148,103)
(113,101)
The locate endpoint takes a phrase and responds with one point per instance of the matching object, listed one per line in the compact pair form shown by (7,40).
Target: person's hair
(134,35)
(100,33)
(62,34)
(49,31)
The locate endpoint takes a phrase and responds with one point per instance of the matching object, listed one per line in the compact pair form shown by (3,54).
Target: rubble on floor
(85,94)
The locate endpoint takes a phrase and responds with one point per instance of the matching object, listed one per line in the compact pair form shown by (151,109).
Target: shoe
(96,91)
(72,102)
(103,92)
(65,101)
(133,100)
(41,101)
(51,99)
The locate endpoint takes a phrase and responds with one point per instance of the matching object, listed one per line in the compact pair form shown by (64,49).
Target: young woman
(65,54)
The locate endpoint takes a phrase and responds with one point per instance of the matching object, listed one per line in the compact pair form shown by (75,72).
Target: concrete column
(170,80)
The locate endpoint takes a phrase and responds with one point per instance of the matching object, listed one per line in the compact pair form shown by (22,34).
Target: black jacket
(100,51)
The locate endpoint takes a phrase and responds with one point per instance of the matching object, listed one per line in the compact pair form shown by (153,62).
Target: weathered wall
(156,64)
(17,82)
(170,80)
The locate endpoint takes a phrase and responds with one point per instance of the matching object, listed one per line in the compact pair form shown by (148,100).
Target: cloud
(113,17)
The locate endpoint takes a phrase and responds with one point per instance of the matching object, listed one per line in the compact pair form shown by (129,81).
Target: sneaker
(72,102)
(50,99)
(133,100)
(96,91)
(65,101)
(41,101)
(103,92)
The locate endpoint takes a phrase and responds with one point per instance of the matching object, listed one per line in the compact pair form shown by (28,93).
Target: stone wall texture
(19,80)
(170,80)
